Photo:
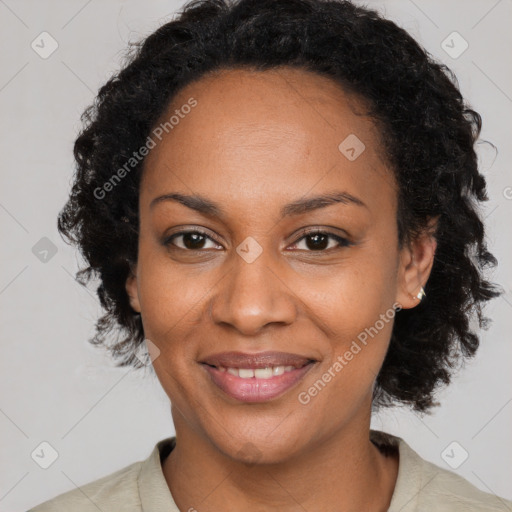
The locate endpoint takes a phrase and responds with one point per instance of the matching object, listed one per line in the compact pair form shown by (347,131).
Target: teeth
(278,370)
(258,373)
(262,373)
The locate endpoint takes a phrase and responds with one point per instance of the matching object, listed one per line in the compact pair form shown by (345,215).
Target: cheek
(352,296)
(345,381)
(169,299)
(354,306)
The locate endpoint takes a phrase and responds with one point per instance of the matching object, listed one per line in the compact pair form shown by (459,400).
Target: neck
(345,471)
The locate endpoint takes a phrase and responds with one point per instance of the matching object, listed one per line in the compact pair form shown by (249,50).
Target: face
(258,265)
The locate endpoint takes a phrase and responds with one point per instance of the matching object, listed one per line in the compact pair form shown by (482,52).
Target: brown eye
(190,240)
(319,241)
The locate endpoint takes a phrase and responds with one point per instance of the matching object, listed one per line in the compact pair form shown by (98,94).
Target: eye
(193,240)
(321,241)
(314,240)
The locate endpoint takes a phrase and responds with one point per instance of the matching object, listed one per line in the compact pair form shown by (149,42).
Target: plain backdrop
(57,389)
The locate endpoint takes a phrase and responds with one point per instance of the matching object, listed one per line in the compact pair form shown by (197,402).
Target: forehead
(266,134)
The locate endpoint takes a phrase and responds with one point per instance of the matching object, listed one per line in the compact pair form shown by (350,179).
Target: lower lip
(256,390)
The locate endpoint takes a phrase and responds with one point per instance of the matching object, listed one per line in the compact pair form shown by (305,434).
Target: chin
(253,450)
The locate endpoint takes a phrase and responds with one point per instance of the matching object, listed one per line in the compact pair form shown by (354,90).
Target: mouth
(256,377)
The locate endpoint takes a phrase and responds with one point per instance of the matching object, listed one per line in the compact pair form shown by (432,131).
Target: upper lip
(257,360)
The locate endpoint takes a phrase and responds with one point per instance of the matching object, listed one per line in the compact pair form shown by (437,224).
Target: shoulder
(444,490)
(134,488)
(115,492)
(448,491)
(422,486)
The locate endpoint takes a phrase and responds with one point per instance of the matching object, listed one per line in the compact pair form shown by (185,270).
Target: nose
(253,296)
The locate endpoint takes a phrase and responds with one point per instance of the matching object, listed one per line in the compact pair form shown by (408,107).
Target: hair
(428,133)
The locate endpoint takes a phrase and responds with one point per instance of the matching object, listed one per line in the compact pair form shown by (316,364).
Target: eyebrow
(300,206)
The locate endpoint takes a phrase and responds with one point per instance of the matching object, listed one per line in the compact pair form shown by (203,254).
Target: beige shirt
(141,487)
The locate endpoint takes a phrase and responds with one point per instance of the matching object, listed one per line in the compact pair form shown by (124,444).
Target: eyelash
(342,242)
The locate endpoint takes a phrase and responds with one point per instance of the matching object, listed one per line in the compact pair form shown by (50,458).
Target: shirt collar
(410,470)
(153,489)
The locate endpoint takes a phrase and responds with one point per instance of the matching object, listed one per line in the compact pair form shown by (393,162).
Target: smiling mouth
(257,385)
(266,372)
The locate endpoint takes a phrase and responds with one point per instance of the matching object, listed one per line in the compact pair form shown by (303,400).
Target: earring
(421,294)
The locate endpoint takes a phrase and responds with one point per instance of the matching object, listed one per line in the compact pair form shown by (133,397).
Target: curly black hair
(428,132)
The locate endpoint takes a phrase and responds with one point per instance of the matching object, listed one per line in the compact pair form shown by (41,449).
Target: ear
(416,261)
(132,289)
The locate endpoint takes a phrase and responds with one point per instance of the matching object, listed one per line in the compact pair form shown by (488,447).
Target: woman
(280,199)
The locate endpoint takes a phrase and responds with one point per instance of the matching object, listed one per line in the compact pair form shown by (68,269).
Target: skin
(255,142)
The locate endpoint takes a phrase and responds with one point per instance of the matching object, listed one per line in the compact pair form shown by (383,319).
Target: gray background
(56,388)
